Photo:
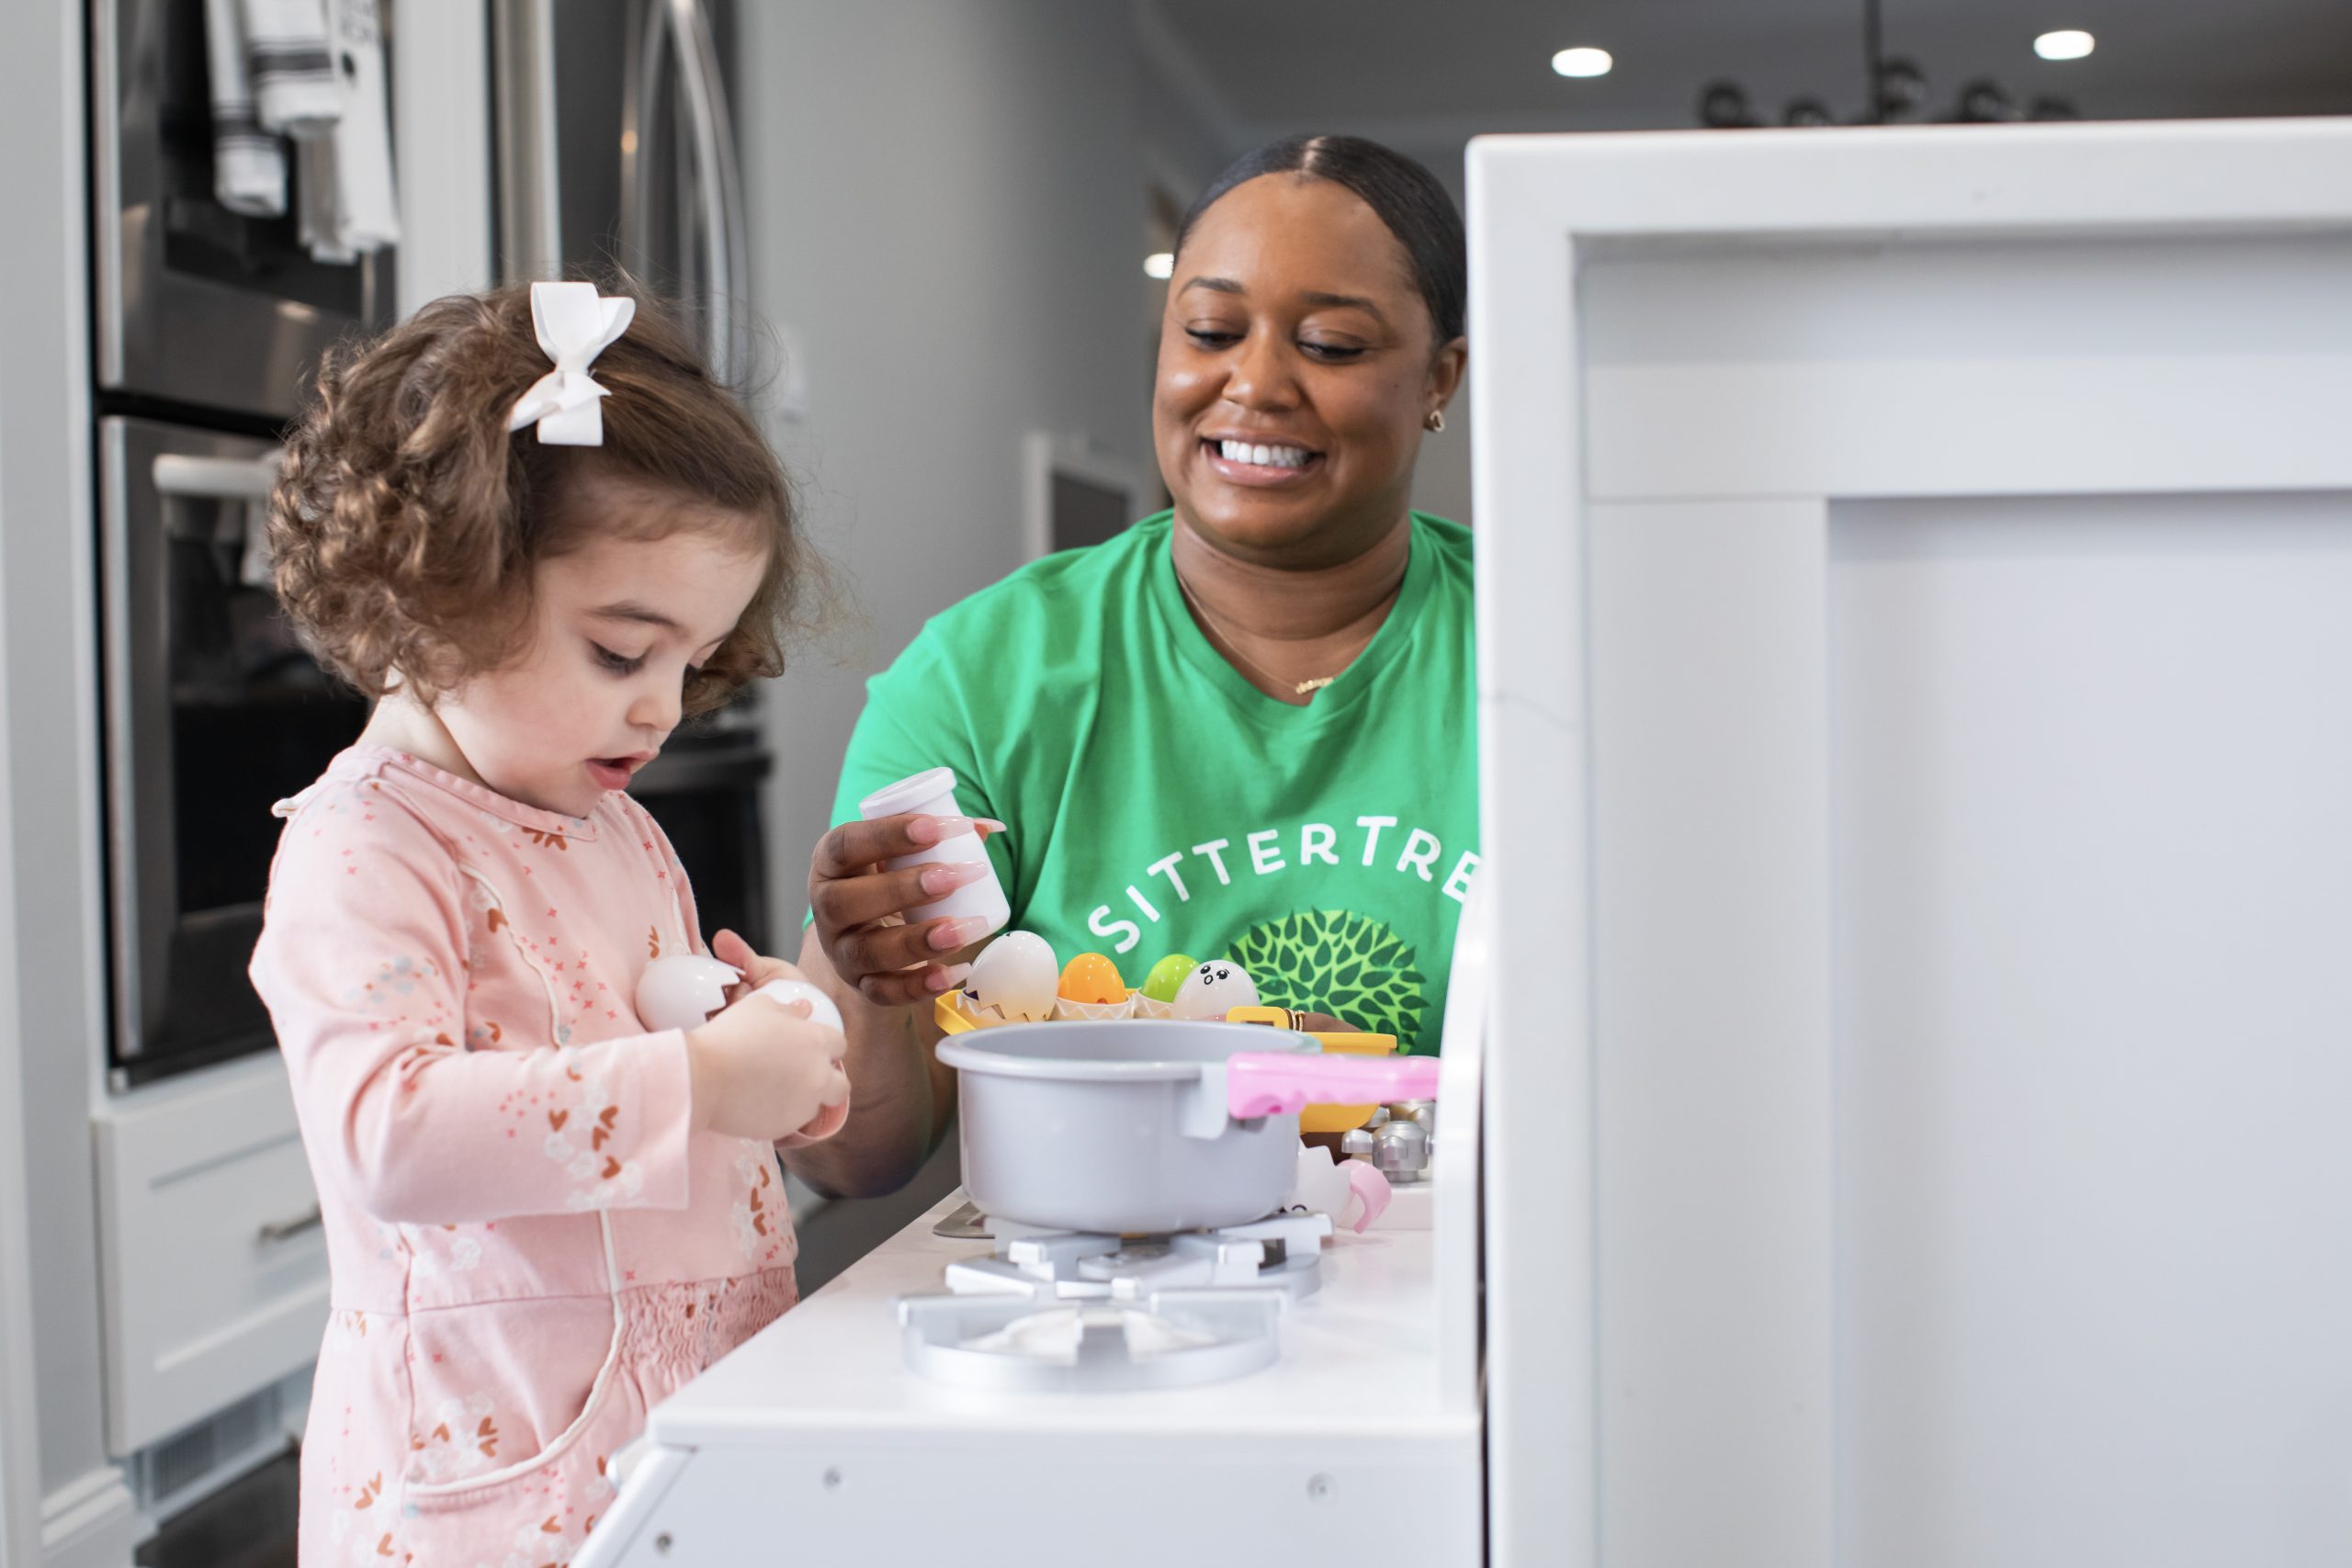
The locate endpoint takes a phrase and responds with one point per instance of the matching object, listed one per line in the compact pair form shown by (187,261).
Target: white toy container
(932,793)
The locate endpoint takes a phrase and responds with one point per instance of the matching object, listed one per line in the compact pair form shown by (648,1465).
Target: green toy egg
(1167,976)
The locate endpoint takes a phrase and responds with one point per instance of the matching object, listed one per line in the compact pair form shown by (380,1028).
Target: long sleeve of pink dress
(530,1244)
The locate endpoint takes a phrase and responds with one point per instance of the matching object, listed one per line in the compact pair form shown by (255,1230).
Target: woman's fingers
(902,988)
(849,902)
(860,907)
(879,949)
(857,847)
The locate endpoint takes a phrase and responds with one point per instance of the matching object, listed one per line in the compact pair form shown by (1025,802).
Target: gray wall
(947,217)
(51,758)
(946,210)
(1442,478)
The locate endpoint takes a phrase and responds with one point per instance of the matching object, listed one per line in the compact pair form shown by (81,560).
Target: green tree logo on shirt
(1338,962)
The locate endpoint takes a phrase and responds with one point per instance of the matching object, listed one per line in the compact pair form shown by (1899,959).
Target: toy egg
(1167,976)
(1214,988)
(820,1006)
(1091,978)
(1013,976)
(682,991)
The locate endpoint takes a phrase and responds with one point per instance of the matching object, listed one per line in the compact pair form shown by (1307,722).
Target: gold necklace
(1302,687)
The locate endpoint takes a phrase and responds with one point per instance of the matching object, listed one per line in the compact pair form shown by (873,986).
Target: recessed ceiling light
(1582,62)
(2065,44)
(1159,264)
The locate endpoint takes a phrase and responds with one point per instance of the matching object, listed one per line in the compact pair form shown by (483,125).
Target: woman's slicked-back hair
(407,521)
(1403,195)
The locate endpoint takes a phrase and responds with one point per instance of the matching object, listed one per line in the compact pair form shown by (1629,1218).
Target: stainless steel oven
(195,303)
(213,711)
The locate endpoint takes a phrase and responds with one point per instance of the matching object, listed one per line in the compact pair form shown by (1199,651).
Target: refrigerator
(616,154)
(617,161)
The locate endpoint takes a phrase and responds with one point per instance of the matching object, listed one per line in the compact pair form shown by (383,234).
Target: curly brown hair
(407,521)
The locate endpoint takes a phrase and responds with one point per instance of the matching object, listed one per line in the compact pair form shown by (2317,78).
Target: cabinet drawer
(215,1272)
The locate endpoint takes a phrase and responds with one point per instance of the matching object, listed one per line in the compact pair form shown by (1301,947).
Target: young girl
(535,531)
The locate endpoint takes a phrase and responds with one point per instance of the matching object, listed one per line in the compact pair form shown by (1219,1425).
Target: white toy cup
(932,793)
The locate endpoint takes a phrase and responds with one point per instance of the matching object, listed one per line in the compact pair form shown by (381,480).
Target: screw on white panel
(833,1478)
(661,1543)
(1318,1488)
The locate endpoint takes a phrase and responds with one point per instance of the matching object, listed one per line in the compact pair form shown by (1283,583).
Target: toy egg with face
(1091,978)
(1214,988)
(1014,977)
(682,991)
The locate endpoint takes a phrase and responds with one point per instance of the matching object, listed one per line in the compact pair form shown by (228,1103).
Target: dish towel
(248,164)
(293,73)
(348,208)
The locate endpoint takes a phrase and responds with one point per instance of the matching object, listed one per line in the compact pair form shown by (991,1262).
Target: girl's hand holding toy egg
(755,1075)
(763,1069)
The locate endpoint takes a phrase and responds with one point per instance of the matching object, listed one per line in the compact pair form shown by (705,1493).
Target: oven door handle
(640,98)
(218,479)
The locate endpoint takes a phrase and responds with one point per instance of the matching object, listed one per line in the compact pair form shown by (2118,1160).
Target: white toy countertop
(1359,1356)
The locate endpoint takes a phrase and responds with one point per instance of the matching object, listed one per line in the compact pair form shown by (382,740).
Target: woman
(1242,728)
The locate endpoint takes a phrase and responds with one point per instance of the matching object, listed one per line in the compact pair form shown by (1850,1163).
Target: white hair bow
(574,325)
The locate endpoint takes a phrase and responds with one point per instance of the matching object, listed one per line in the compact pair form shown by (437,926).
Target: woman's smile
(1259,463)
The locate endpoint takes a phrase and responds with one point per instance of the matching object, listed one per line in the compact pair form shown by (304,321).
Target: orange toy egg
(1091,978)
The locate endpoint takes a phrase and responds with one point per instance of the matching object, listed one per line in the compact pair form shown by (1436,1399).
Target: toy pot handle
(1275,1083)
(1371,1192)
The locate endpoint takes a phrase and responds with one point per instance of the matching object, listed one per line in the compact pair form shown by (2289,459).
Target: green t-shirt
(1159,803)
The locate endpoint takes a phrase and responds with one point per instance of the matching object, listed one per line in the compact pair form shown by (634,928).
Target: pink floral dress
(530,1243)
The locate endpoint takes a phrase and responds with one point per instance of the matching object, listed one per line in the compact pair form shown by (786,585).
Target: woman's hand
(860,907)
(763,1069)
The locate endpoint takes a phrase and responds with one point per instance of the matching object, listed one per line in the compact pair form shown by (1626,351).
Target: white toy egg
(682,991)
(1215,987)
(820,1006)
(1017,975)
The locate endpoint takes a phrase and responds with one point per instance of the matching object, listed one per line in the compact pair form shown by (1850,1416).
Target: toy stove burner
(1066,1312)
(1283,1253)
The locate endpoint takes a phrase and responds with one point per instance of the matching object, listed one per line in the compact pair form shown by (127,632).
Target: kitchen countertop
(833,1366)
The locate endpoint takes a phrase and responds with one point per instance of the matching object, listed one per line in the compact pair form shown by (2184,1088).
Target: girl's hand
(762,1069)
(758,968)
(860,908)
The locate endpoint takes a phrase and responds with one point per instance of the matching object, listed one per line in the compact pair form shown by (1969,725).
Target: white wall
(946,209)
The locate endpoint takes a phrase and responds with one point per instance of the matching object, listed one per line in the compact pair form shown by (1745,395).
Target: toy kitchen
(1193,1303)
(1907,562)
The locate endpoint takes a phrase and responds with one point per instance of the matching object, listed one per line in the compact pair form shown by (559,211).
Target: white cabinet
(1915,604)
(215,1271)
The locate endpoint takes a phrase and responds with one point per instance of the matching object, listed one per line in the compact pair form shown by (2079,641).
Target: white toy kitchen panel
(1916,576)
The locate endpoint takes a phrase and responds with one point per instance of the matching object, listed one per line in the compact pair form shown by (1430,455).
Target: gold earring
(1435,422)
